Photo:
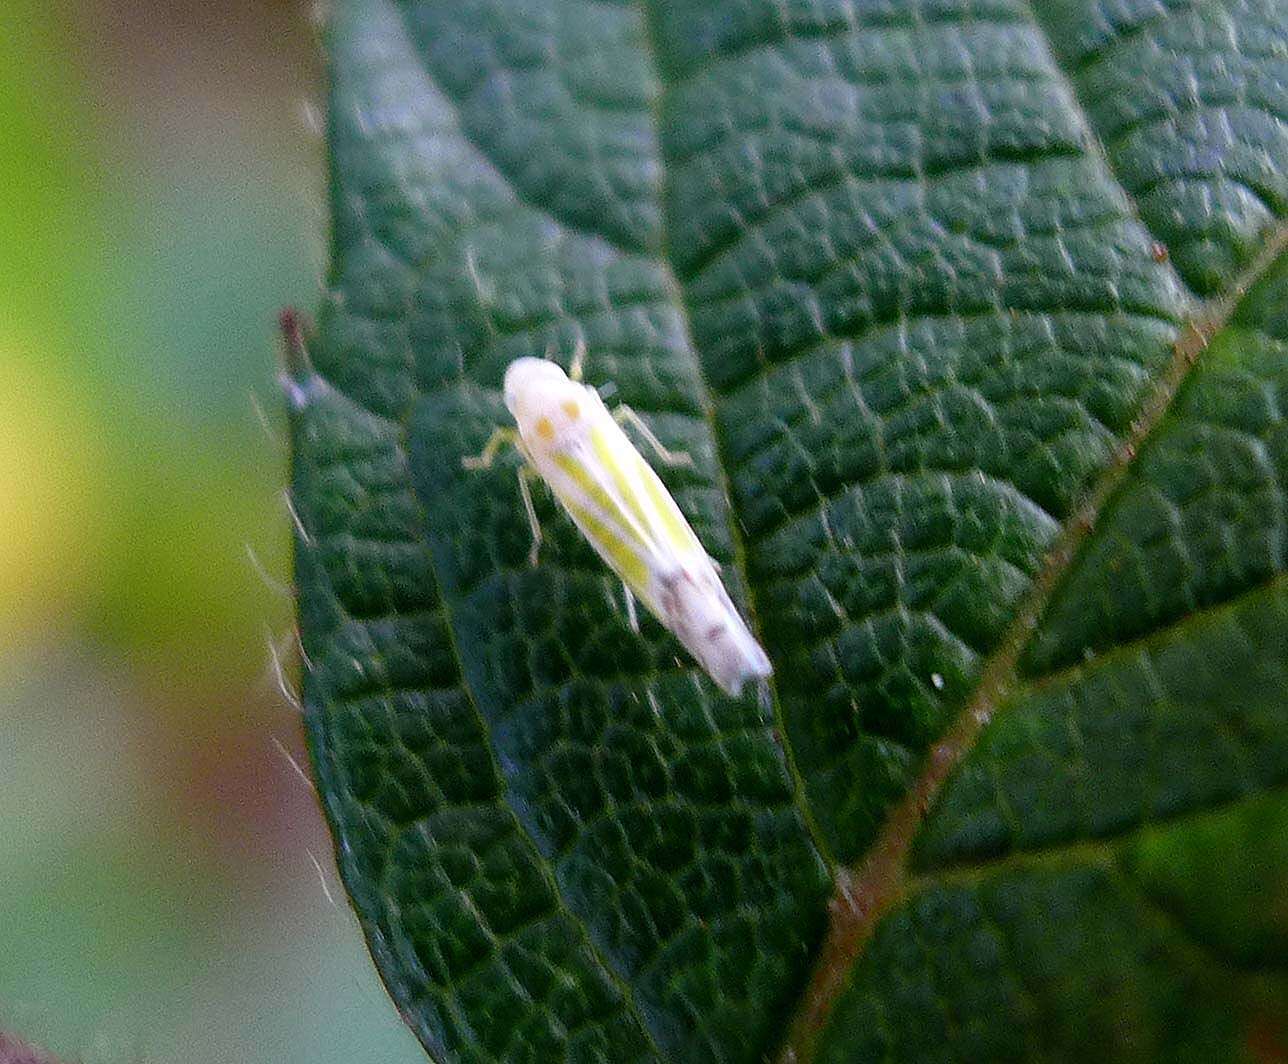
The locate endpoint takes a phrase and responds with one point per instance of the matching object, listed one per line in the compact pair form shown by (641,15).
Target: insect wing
(601,481)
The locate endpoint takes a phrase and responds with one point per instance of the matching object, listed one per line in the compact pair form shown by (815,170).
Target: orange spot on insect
(545,429)
(571,408)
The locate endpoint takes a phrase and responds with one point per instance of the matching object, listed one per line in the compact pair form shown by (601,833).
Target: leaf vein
(680,299)
(882,876)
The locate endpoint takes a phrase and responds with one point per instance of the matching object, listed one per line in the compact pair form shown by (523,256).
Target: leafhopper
(570,440)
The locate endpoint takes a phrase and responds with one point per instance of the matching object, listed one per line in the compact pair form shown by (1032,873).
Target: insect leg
(526,473)
(578,363)
(499,438)
(623,414)
(631,618)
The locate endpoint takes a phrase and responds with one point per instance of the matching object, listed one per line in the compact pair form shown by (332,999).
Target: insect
(569,439)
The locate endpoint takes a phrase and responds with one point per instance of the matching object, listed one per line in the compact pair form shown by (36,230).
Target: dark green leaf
(926,287)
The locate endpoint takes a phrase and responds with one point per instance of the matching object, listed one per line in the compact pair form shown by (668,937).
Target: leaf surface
(971,316)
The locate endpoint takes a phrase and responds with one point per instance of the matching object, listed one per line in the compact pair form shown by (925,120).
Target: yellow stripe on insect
(577,447)
(610,459)
(596,495)
(677,528)
(624,560)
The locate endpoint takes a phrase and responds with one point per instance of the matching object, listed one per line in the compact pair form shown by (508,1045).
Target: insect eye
(572,409)
(545,429)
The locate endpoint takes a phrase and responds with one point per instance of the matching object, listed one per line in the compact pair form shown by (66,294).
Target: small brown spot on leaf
(14,1052)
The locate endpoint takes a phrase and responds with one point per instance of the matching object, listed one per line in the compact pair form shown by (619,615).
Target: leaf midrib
(872,886)
(867,890)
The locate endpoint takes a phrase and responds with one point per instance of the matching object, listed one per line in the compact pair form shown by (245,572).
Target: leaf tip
(300,382)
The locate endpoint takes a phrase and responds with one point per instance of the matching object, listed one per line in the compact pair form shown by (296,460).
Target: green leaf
(971,314)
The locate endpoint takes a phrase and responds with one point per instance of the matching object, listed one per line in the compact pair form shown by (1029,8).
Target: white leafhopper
(570,440)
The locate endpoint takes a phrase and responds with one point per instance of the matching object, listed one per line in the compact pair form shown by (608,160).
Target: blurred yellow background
(161,196)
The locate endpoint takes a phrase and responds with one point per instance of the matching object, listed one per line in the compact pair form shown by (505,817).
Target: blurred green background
(160,198)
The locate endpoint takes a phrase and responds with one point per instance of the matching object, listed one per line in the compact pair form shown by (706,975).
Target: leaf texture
(971,315)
